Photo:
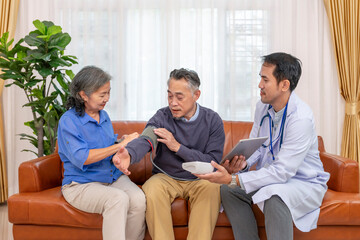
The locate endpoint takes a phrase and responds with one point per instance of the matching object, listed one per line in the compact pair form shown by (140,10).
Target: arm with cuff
(146,142)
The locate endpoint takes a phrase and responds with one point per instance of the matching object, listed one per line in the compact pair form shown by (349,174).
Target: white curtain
(140,42)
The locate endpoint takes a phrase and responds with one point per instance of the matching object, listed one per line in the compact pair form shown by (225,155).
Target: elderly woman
(86,142)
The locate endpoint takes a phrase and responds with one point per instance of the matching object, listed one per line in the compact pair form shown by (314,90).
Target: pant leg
(204,199)
(237,205)
(278,220)
(160,191)
(99,198)
(135,224)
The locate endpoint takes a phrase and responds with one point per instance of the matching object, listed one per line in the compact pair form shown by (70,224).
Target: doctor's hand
(237,164)
(221,176)
(121,160)
(167,138)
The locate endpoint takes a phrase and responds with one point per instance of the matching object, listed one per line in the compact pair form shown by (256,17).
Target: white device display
(198,167)
(245,147)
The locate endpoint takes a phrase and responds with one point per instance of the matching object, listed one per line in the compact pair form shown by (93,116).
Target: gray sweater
(201,140)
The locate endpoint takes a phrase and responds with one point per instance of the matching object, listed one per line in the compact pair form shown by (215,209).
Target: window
(140,45)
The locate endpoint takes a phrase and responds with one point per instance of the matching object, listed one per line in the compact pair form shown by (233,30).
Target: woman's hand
(129,137)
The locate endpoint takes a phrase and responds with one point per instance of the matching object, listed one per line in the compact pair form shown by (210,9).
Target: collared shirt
(76,136)
(194,117)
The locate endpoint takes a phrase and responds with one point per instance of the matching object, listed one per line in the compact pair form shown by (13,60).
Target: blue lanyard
(281,132)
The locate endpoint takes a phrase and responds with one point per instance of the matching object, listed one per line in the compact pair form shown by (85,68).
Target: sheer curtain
(140,42)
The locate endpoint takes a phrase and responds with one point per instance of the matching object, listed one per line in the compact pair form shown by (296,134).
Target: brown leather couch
(39,211)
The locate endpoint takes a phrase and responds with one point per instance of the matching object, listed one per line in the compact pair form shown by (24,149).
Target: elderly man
(182,132)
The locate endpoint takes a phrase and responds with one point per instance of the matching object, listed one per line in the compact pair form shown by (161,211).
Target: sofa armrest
(40,173)
(344,173)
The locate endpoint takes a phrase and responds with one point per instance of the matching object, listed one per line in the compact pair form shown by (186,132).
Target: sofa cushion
(40,208)
(337,208)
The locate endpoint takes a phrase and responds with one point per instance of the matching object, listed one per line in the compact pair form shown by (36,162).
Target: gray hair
(189,75)
(89,80)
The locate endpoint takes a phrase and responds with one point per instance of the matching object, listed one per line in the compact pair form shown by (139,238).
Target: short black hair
(189,75)
(286,67)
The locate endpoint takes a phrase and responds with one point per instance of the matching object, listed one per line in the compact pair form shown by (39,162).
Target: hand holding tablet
(245,147)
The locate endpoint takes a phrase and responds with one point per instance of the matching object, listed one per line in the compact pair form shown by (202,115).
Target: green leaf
(44,72)
(8,85)
(21,55)
(4,63)
(33,41)
(46,57)
(27,150)
(19,84)
(70,74)
(70,59)
(4,38)
(27,136)
(40,26)
(31,83)
(54,30)
(48,23)
(18,47)
(60,79)
(6,76)
(59,62)
(43,37)
(59,40)
(37,93)
(9,43)
(36,54)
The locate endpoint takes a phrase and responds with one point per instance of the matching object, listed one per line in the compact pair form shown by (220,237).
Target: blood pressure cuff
(150,136)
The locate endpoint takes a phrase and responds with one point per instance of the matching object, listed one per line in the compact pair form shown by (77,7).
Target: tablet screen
(245,147)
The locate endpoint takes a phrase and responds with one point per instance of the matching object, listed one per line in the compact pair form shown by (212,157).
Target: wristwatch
(233,182)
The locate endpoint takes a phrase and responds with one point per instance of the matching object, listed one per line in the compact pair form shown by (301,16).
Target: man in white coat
(289,182)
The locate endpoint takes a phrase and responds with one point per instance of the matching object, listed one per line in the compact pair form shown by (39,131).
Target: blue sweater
(201,140)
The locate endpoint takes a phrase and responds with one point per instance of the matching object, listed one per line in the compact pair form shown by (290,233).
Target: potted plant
(40,69)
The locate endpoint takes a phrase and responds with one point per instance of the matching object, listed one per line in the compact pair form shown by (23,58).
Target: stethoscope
(271,124)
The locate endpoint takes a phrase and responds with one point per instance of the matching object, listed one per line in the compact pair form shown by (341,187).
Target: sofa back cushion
(140,172)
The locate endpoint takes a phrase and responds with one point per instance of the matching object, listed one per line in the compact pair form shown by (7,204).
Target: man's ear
(285,85)
(197,94)
(83,95)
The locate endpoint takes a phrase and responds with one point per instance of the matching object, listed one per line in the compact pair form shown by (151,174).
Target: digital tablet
(245,147)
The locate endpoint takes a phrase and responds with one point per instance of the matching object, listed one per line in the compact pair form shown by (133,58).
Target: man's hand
(235,165)
(221,176)
(121,160)
(167,138)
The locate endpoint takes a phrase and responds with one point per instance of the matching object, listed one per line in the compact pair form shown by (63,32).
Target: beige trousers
(122,205)
(204,198)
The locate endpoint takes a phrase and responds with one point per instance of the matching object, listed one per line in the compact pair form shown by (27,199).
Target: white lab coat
(296,175)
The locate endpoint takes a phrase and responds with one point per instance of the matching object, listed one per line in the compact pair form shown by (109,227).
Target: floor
(5,226)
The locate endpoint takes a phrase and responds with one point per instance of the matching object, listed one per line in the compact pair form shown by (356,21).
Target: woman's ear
(83,96)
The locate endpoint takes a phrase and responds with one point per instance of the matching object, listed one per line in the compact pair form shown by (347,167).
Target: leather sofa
(39,211)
